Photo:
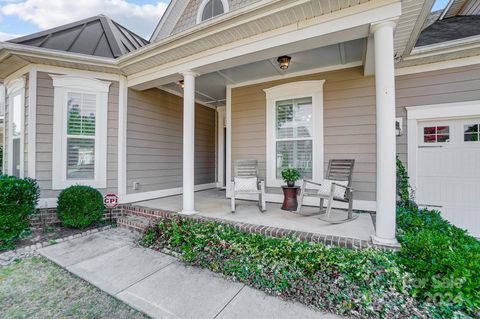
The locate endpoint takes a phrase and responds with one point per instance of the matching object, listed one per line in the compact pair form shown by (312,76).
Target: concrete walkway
(163,287)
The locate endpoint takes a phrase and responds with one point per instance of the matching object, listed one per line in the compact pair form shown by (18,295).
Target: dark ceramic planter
(290,184)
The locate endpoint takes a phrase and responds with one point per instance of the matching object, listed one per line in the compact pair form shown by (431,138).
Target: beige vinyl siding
(436,87)
(154,141)
(349,124)
(44,136)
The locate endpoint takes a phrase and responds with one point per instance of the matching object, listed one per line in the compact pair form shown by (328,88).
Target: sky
(22,17)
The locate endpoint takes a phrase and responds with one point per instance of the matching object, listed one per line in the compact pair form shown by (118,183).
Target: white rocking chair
(336,187)
(246,181)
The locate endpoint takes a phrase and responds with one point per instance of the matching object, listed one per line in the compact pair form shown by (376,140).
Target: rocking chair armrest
(343,186)
(305,181)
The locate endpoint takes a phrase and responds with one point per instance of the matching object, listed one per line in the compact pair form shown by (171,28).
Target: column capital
(189,72)
(388,23)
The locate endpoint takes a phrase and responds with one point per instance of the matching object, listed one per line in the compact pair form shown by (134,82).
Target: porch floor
(213,203)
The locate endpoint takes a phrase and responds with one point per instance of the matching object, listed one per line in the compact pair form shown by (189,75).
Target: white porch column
(189,143)
(221,146)
(386,140)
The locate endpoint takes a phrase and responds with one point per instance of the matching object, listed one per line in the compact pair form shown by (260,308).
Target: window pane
(429,130)
(294,118)
(212,8)
(443,138)
(80,158)
(470,137)
(81,114)
(297,154)
(430,138)
(443,129)
(17,116)
(473,128)
(16,157)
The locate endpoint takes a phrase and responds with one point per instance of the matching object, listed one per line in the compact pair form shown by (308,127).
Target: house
(93,103)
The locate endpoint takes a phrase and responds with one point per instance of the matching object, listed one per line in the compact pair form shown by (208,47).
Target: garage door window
(436,134)
(471,133)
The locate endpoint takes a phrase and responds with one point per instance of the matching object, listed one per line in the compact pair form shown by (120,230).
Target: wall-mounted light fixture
(284,62)
(181,84)
(398,126)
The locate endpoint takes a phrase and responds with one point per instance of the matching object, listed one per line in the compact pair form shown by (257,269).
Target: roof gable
(97,36)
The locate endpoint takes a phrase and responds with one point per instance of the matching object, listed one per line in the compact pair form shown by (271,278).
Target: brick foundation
(153,215)
(48,216)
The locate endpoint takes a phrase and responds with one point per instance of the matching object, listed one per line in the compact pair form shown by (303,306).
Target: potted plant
(290,176)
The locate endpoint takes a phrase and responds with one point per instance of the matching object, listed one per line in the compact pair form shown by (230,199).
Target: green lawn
(37,288)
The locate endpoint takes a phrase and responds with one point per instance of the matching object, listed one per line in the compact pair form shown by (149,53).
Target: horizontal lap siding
(44,137)
(436,87)
(155,142)
(349,124)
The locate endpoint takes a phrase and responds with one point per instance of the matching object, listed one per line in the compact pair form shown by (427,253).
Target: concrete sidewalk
(161,286)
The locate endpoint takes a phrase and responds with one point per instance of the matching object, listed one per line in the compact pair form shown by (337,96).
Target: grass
(37,288)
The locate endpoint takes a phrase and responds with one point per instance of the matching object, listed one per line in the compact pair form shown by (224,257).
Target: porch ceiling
(211,87)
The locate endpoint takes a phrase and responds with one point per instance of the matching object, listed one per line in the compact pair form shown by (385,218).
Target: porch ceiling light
(181,84)
(284,62)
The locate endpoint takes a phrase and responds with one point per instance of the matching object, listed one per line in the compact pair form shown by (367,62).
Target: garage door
(448,175)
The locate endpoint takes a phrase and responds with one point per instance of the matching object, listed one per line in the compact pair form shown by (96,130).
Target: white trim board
(122,136)
(287,91)
(416,114)
(428,67)
(138,197)
(32,123)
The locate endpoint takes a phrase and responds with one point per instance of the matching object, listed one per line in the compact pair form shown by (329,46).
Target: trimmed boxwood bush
(79,206)
(18,199)
(365,283)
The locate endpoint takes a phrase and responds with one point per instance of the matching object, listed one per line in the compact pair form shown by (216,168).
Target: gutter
(24,50)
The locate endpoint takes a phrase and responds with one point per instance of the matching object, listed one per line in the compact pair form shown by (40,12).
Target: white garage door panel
(449,176)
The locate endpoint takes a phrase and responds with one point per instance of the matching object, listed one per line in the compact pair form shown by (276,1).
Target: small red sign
(110,201)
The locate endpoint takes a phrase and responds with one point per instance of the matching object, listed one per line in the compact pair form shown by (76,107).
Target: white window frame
(64,84)
(202,7)
(14,88)
(295,90)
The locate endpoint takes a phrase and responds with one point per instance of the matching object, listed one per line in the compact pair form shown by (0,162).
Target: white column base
(188,212)
(385,242)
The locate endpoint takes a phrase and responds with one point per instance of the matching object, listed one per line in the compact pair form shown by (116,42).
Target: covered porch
(213,204)
(353,117)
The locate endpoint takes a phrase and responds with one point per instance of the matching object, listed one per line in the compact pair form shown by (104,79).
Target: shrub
(365,283)
(18,199)
(443,258)
(79,206)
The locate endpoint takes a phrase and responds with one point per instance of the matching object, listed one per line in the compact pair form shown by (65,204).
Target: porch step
(134,223)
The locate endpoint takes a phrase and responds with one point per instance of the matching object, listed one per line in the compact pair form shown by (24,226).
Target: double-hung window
(80,131)
(295,130)
(16,114)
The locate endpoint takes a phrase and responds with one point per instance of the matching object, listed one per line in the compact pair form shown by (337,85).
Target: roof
(449,29)
(97,36)
(461,8)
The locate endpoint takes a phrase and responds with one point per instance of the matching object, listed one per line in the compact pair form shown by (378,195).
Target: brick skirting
(48,216)
(155,214)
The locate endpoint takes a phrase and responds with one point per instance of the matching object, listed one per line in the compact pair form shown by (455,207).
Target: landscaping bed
(37,288)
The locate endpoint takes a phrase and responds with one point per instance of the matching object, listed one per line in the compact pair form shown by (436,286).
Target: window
(16,104)
(211,8)
(80,132)
(471,133)
(436,134)
(295,130)
(294,135)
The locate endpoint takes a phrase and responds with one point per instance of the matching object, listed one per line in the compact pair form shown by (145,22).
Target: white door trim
(420,113)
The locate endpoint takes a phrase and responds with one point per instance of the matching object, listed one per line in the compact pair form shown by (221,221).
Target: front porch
(212,204)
